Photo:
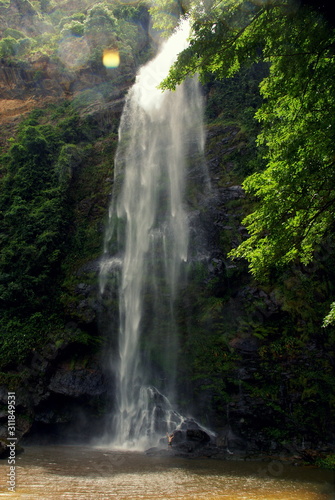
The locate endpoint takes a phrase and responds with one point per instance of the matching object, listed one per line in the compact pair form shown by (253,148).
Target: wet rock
(198,436)
(84,289)
(78,382)
(231,441)
(93,266)
(190,439)
(247,345)
(231,193)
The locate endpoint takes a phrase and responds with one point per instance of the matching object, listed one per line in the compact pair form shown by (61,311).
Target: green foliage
(31,218)
(294,380)
(11,380)
(78,17)
(214,367)
(330,318)
(91,27)
(296,190)
(68,159)
(131,12)
(295,193)
(45,5)
(100,19)
(54,196)
(35,210)
(224,36)
(327,462)
(20,337)
(166,14)
(14,33)
(8,47)
(73,28)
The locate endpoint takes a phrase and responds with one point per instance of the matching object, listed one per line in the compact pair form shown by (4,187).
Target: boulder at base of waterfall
(189,439)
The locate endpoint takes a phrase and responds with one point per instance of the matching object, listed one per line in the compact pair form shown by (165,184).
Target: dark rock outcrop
(188,440)
(62,395)
(78,383)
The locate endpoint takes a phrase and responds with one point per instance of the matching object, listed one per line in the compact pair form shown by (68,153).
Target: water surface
(78,472)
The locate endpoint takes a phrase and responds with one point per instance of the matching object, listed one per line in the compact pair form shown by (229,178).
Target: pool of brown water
(79,472)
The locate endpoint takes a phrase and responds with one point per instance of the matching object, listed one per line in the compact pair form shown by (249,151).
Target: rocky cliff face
(39,63)
(62,396)
(22,15)
(243,358)
(63,387)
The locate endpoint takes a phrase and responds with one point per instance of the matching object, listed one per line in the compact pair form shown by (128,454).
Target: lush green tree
(297,189)
(166,14)
(8,46)
(295,194)
(100,25)
(36,173)
(31,217)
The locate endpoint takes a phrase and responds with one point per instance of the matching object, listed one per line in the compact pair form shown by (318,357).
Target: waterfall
(146,243)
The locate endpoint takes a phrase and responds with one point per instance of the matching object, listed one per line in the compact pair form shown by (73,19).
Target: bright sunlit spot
(111,58)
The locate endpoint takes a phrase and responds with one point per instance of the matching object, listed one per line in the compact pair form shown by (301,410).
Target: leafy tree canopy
(166,14)
(295,194)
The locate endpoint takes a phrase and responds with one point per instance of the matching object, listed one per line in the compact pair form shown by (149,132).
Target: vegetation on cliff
(51,211)
(290,242)
(255,352)
(47,28)
(295,191)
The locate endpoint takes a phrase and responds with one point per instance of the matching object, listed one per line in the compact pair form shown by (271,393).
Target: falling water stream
(159,131)
(146,246)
